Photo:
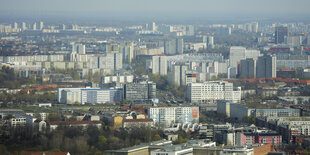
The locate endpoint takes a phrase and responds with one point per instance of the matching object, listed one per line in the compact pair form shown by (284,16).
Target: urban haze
(146,77)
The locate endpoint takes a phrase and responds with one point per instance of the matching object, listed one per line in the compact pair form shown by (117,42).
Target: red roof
(138,120)
(75,122)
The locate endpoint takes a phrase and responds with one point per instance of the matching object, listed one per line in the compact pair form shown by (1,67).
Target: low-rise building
(132,123)
(82,124)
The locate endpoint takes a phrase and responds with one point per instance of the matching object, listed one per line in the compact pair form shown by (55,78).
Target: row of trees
(74,140)
(8,79)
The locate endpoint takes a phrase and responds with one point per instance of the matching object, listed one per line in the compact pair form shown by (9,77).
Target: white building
(89,95)
(238,53)
(117,79)
(212,91)
(173,115)
(159,65)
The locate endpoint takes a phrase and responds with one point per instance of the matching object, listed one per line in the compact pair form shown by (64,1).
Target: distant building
(137,123)
(173,150)
(159,65)
(177,74)
(89,95)
(238,53)
(280,33)
(238,111)
(168,116)
(142,91)
(266,67)
(127,51)
(212,91)
(248,68)
(174,46)
(80,124)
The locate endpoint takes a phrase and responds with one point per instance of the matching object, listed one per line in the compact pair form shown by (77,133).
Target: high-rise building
(177,75)
(213,91)
(210,43)
(159,65)
(34,26)
(174,46)
(248,68)
(238,53)
(266,67)
(280,34)
(127,49)
(24,26)
(80,49)
(190,30)
(41,25)
(152,26)
(15,25)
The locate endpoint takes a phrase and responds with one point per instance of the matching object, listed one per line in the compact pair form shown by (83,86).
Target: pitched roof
(138,120)
(74,122)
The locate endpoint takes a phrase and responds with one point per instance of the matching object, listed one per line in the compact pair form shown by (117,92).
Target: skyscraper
(266,67)
(280,34)
(159,65)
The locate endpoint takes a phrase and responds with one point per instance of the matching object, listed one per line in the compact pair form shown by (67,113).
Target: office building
(248,68)
(280,33)
(266,67)
(168,116)
(213,91)
(159,65)
(142,91)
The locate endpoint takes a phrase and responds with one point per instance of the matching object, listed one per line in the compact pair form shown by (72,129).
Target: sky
(154,8)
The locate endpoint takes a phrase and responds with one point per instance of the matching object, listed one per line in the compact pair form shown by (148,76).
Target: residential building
(159,65)
(266,67)
(89,95)
(238,53)
(280,33)
(212,91)
(80,124)
(168,116)
(177,74)
(137,123)
(174,46)
(248,68)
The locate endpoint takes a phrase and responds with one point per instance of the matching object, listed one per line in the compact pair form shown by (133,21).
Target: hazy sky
(155,8)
